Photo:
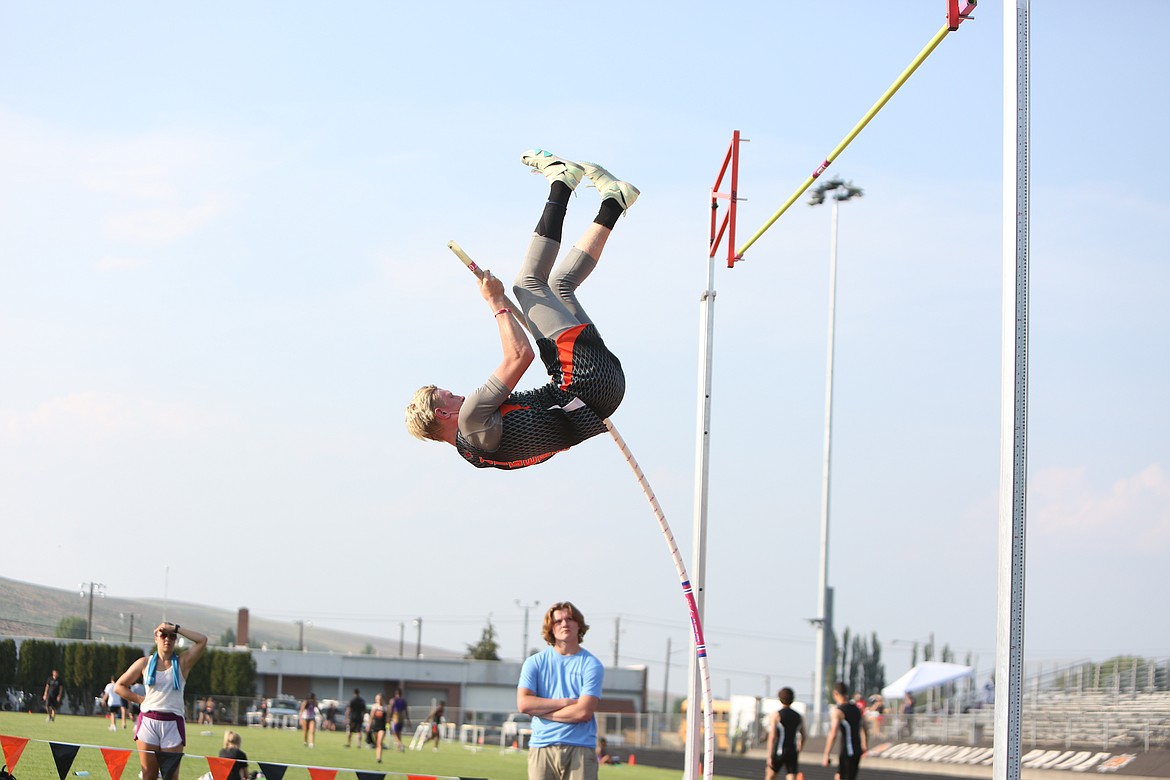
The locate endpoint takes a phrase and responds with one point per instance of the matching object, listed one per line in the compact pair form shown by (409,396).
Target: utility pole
(301,640)
(525,607)
(666,676)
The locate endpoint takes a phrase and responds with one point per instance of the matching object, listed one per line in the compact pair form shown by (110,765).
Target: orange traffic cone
(631,760)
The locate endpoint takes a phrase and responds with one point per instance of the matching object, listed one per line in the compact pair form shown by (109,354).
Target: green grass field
(270,746)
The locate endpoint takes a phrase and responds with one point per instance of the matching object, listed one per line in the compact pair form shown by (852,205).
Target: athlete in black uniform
(785,739)
(496,427)
(52,696)
(846,719)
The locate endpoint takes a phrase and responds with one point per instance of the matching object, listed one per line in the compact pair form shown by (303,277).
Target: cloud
(121,262)
(88,417)
(150,188)
(162,224)
(1136,508)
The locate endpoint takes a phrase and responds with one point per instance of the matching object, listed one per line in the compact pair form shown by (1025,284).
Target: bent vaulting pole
(680,567)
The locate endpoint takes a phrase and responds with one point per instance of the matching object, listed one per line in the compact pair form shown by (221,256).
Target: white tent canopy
(928,674)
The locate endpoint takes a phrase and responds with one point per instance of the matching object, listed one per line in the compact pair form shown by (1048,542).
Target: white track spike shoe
(609,187)
(552,167)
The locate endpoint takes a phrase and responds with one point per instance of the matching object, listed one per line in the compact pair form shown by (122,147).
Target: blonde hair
(421,422)
(231,739)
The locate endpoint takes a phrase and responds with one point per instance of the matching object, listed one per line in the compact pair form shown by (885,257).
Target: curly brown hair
(547,630)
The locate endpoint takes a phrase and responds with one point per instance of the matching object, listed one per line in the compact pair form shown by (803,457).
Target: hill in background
(28,610)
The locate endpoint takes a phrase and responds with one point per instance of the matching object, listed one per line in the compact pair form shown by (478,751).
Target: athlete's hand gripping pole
(676,557)
(517,312)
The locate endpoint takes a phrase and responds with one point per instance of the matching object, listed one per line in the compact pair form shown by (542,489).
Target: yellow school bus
(720,717)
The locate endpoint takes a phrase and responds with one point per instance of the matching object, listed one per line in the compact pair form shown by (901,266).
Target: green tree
(369,649)
(487,648)
(37,659)
(227,638)
(7,663)
(199,678)
(232,672)
(857,662)
(70,628)
(841,663)
(875,669)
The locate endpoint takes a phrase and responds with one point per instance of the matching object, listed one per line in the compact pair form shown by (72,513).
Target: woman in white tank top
(160,727)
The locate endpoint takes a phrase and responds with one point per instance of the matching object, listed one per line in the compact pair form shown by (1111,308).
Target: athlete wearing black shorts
(785,739)
(846,721)
(497,427)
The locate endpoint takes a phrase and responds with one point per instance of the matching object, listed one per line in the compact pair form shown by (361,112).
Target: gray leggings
(548,298)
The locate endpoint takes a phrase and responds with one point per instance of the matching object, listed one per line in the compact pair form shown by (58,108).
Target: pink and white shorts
(168,733)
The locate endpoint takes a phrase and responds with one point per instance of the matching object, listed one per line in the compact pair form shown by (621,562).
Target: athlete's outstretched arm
(518,354)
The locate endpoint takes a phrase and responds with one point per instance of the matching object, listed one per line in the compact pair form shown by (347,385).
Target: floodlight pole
(840,191)
(101,591)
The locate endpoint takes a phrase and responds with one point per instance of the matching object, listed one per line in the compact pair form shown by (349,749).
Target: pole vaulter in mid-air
(497,427)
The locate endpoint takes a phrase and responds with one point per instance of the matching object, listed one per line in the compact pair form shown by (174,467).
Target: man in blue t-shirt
(560,687)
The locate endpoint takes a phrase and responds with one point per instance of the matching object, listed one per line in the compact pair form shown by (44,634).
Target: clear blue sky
(223,271)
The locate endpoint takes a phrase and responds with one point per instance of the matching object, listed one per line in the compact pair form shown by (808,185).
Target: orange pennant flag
(13,747)
(220,767)
(320,773)
(115,761)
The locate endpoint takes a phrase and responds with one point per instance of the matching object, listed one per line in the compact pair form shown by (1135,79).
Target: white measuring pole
(1013,472)
(695,716)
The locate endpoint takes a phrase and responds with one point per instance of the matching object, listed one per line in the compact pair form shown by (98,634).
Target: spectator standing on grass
(139,690)
(786,735)
(877,714)
(435,717)
(378,726)
(161,727)
(330,721)
(308,716)
(908,715)
(355,713)
(114,704)
(52,696)
(560,687)
(399,717)
(845,720)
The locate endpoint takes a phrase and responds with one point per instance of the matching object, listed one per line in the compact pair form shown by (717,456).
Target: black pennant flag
(168,764)
(272,771)
(369,775)
(63,756)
